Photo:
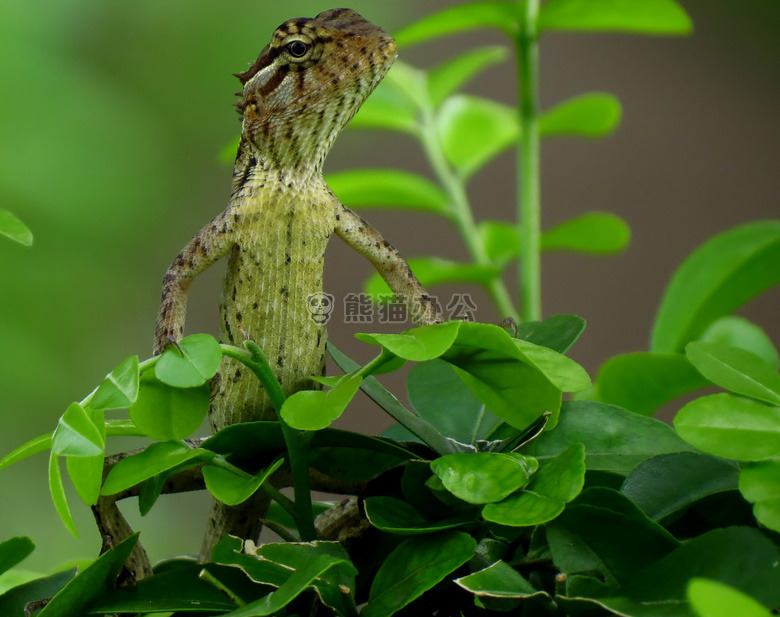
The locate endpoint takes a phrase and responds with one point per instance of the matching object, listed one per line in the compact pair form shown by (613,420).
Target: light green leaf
(716,279)
(636,16)
(731,427)
(155,459)
(474,130)
(416,565)
(77,435)
(735,369)
(759,483)
(452,74)
(482,477)
(461,18)
(312,410)
(122,428)
(589,115)
(418,344)
(713,599)
(501,241)
(411,82)
(164,412)
(39,444)
(232,489)
(13,551)
(391,188)
(498,580)
(12,227)
(597,233)
(57,491)
(564,373)
(192,363)
(387,109)
(86,474)
(120,387)
(739,332)
(523,509)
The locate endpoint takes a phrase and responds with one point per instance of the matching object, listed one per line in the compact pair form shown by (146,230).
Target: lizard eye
(297,49)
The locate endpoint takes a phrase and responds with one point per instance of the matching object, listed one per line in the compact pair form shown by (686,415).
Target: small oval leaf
(589,115)
(638,16)
(452,74)
(77,435)
(596,233)
(11,227)
(483,477)
(120,387)
(233,489)
(192,363)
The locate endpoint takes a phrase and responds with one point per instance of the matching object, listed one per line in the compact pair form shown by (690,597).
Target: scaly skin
(298,96)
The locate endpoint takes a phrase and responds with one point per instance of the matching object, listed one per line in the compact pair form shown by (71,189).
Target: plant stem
(462,215)
(529,194)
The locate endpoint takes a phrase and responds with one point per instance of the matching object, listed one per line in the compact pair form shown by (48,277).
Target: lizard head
(307,84)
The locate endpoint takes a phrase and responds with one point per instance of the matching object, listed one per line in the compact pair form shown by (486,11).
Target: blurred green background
(112,116)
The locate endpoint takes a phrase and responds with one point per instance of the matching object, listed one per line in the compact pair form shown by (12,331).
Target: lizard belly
(271,274)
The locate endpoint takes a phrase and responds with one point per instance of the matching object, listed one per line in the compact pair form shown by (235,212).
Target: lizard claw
(509,323)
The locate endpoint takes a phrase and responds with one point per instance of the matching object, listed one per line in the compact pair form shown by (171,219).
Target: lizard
(302,90)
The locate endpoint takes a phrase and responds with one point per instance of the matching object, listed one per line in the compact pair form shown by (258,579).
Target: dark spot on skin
(385,243)
(319,339)
(234,293)
(239,317)
(255,305)
(284,292)
(287,259)
(338,217)
(360,229)
(280,361)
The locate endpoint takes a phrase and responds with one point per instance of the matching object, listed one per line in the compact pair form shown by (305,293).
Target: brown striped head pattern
(308,83)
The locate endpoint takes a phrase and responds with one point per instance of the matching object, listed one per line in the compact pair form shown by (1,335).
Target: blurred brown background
(112,116)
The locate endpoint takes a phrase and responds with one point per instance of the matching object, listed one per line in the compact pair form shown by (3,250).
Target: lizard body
(297,97)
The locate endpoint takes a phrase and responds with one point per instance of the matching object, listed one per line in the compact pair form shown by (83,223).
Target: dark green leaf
(498,580)
(163,412)
(416,565)
(312,410)
(387,109)
(759,483)
(13,551)
(598,233)
(558,332)
(669,483)
(452,74)
(474,130)
(461,18)
(731,427)
(79,594)
(396,516)
(192,363)
(716,279)
(588,115)
(643,381)
(233,489)
(392,188)
(155,459)
(120,387)
(77,434)
(13,601)
(615,440)
(483,477)
(354,457)
(57,491)
(735,369)
(12,227)
(713,599)
(39,444)
(739,332)
(637,16)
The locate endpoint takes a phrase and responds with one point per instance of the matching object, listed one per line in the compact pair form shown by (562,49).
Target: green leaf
(12,227)
(589,115)
(86,474)
(432,271)
(233,489)
(387,109)
(716,279)
(120,387)
(739,332)
(13,601)
(416,565)
(597,233)
(636,16)
(392,188)
(396,516)
(57,491)
(498,580)
(192,363)
(737,370)
(669,483)
(523,509)
(713,599)
(501,241)
(14,551)
(418,344)
(759,484)
(98,578)
(461,18)
(483,477)
(643,381)
(563,372)
(411,82)
(77,435)
(474,130)
(731,427)
(312,410)
(451,75)
(39,444)
(558,332)
(615,440)
(164,412)
(155,459)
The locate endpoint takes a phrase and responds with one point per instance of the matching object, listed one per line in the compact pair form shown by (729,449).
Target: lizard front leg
(207,247)
(357,233)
